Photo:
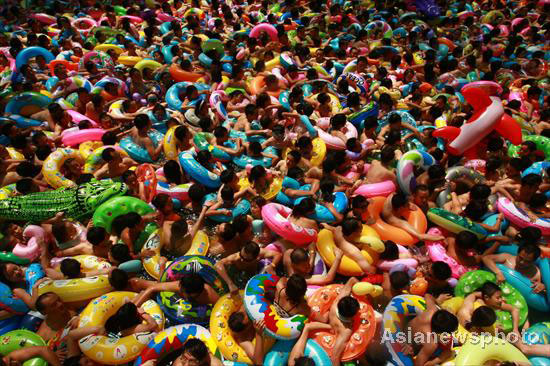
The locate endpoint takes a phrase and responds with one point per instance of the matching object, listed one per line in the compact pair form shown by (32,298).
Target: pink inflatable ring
(276,217)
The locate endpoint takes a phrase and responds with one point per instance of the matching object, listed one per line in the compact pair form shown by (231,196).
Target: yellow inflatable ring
(53,163)
(94,160)
(7,191)
(199,246)
(274,188)
(78,289)
(88,263)
(115,351)
(223,337)
(319,151)
(87,148)
(348,267)
(480,349)
(169,144)
(147,64)
(273,63)
(14,154)
(107,47)
(129,60)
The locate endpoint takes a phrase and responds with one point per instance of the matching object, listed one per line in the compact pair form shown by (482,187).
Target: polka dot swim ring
(258,308)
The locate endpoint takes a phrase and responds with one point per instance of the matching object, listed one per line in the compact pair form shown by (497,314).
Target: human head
(49,303)
(391,251)
(70,268)
(250,251)
(118,279)
(194,352)
(440,271)
(466,240)
(296,288)
(482,317)
(399,280)
(351,226)
(120,253)
(492,294)
(527,255)
(300,260)
(191,285)
(238,322)
(348,307)
(444,322)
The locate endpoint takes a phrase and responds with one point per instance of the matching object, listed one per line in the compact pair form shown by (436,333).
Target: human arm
(299,347)
(491,260)
(320,280)
(158,287)
(515,316)
(24,354)
(221,269)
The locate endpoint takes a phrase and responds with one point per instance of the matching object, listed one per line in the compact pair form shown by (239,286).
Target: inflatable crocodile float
(75,202)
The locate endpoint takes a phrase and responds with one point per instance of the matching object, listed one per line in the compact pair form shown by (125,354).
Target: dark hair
(399,280)
(40,306)
(489,288)
(304,207)
(350,225)
(70,268)
(348,306)
(480,192)
(126,317)
(530,249)
(483,316)
(196,348)
(296,287)
(118,279)
(172,172)
(235,322)
(252,249)
(192,283)
(304,361)
(398,200)
(241,223)
(436,172)
(120,253)
(24,185)
(466,240)
(106,154)
(444,322)
(391,251)
(531,180)
(441,270)
(529,235)
(298,255)
(197,192)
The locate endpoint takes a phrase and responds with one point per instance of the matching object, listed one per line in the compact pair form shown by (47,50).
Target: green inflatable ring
(21,338)
(12,258)
(542,142)
(473,280)
(107,212)
(455,223)
(213,44)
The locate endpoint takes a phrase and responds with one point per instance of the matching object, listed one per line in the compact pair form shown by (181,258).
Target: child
(491,295)
(245,332)
(301,262)
(140,136)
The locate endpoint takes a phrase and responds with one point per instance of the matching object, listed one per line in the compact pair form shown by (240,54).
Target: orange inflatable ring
(71,66)
(364,323)
(416,219)
(180,75)
(258,83)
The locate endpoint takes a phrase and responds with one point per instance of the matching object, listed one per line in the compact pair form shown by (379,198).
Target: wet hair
(391,251)
(399,280)
(350,225)
(118,279)
(196,348)
(172,172)
(296,288)
(304,361)
(192,283)
(529,235)
(304,207)
(236,322)
(359,201)
(436,172)
(161,200)
(24,185)
(229,232)
(441,270)
(106,154)
(348,306)
(96,234)
(483,316)
(256,173)
(70,268)
(466,240)
(444,322)
(298,255)
(126,317)
(489,288)
(387,154)
(475,210)
(40,306)
(120,253)
(530,249)
(197,192)
(398,200)
(531,180)
(251,248)
(480,192)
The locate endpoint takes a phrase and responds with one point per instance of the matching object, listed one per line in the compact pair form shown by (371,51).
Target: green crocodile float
(76,203)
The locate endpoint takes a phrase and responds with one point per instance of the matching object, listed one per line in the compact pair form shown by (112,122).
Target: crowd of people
(274,183)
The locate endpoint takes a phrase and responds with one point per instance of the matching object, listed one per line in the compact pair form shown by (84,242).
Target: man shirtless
(380,171)
(395,208)
(191,287)
(140,135)
(430,321)
(116,164)
(523,263)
